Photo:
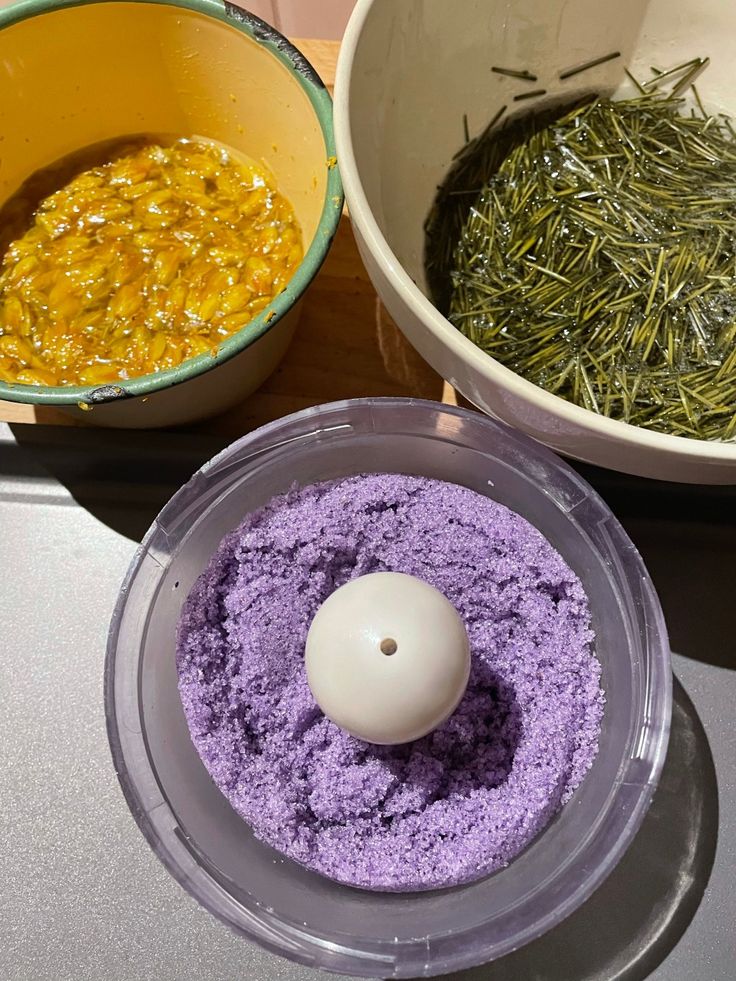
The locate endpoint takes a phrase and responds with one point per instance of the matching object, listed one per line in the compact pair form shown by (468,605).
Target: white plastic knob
(387,658)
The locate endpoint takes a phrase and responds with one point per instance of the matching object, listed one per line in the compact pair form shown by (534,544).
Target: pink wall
(304,18)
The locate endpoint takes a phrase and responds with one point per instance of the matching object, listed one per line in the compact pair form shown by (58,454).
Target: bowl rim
(307,77)
(440,327)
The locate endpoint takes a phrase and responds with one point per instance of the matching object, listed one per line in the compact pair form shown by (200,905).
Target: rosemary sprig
(570,72)
(523,74)
(593,251)
(529,95)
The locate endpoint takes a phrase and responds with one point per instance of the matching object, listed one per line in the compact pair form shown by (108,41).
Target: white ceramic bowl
(406,75)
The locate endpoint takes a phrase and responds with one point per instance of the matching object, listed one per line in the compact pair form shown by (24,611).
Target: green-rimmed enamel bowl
(73,74)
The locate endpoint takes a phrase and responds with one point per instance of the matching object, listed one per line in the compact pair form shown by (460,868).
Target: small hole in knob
(389,646)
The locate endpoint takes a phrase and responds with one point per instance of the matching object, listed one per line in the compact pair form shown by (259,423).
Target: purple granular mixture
(450,807)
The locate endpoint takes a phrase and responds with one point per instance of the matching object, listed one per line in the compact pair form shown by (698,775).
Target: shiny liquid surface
(131,256)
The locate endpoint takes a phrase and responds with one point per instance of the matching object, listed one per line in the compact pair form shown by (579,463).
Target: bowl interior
(396,86)
(296,911)
(116,69)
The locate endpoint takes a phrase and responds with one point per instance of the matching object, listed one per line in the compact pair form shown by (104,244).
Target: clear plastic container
(212,852)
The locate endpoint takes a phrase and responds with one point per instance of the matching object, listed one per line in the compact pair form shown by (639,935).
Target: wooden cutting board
(346,345)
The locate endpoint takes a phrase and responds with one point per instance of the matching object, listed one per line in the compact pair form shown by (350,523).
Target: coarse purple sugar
(453,806)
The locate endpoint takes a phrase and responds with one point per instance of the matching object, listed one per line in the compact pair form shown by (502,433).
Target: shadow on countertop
(122,477)
(636,918)
(686,534)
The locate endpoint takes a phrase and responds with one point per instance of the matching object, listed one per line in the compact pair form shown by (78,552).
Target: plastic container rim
(287,939)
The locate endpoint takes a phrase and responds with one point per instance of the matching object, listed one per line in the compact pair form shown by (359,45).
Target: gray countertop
(81,896)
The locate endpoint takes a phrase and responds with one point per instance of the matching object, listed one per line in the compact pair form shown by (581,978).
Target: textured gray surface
(81,896)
